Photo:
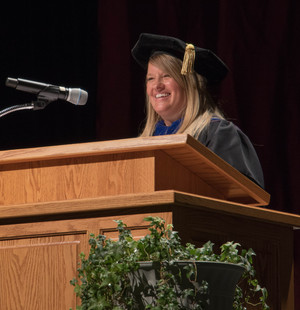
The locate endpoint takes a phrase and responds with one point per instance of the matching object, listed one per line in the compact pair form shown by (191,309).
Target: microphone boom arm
(34,105)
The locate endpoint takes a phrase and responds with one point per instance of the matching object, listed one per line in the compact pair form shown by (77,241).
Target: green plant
(105,276)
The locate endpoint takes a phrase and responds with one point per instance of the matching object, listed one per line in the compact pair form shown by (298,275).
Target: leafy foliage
(105,276)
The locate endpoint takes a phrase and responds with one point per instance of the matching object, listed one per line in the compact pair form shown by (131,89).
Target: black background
(55,44)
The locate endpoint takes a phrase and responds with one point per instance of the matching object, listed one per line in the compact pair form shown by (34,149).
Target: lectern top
(182,148)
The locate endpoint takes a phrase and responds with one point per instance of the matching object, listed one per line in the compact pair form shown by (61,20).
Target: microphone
(49,92)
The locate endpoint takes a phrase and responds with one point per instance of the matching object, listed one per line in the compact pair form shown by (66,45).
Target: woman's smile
(164,95)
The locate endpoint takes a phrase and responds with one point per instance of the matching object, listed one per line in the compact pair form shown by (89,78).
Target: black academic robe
(227,141)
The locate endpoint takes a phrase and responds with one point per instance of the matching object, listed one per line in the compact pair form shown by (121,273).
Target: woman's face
(166,96)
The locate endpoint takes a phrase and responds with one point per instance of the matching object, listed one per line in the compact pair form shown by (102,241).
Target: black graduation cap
(203,61)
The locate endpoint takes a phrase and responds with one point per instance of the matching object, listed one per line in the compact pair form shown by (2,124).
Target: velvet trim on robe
(162,129)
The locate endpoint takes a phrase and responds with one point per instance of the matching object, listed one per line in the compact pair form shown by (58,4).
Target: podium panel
(39,259)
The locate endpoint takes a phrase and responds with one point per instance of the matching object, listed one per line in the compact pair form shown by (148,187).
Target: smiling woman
(178,100)
(166,96)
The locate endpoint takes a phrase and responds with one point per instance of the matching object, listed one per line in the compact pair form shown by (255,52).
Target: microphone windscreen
(77,96)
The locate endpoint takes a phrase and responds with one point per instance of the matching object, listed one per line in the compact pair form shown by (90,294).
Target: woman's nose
(159,85)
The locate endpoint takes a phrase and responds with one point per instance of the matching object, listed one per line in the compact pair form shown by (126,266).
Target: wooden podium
(52,198)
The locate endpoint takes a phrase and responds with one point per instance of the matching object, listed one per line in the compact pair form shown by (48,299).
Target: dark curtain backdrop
(259,41)
(87,44)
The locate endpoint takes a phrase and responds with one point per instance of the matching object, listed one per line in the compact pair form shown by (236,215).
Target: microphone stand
(34,105)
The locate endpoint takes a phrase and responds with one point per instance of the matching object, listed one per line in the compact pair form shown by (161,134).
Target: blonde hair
(200,107)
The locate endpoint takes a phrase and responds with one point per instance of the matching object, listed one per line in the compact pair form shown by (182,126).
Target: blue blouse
(162,129)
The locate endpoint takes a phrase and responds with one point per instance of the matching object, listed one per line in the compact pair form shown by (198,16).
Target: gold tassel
(188,60)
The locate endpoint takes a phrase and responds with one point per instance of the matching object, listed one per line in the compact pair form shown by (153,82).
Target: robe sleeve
(227,141)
